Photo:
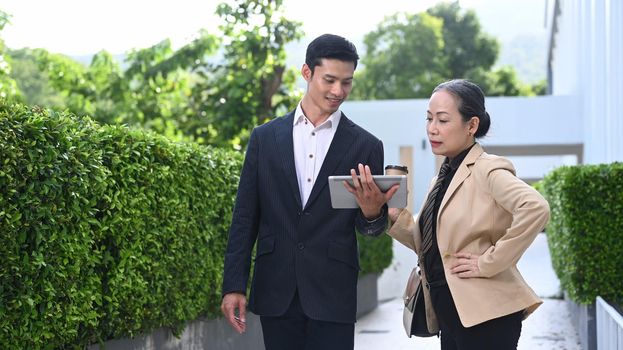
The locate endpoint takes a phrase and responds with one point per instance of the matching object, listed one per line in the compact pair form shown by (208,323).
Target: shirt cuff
(372,227)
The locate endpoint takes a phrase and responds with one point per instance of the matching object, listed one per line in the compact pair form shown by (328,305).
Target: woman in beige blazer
(481,219)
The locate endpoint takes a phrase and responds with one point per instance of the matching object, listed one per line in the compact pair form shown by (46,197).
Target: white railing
(609,326)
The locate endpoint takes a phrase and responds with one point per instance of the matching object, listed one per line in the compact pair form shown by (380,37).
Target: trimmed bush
(109,232)
(50,182)
(375,253)
(585,232)
(165,218)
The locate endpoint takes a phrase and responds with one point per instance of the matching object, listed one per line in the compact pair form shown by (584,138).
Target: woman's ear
(473,125)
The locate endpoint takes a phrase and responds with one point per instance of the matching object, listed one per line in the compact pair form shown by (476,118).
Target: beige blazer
(487,211)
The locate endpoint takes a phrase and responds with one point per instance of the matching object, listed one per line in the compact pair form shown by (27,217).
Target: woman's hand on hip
(466,265)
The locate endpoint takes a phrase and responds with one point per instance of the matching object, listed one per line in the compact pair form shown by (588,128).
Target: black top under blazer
(312,249)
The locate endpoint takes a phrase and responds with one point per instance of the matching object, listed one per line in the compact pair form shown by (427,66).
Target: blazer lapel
(461,174)
(343,138)
(283,136)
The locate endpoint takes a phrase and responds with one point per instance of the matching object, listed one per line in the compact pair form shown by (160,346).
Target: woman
(475,224)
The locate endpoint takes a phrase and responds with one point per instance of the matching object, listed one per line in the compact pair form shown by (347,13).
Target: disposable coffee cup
(396,170)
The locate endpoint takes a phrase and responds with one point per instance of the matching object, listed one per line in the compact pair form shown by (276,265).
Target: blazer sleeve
(244,227)
(403,230)
(378,226)
(530,213)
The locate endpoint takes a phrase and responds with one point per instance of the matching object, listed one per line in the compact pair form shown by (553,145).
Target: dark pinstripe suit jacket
(312,249)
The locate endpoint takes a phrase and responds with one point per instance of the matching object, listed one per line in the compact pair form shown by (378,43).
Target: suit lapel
(283,136)
(343,138)
(461,174)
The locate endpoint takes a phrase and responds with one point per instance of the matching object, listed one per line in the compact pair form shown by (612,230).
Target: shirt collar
(454,164)
(331,122)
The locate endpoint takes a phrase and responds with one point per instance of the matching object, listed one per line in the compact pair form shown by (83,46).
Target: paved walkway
(548,328)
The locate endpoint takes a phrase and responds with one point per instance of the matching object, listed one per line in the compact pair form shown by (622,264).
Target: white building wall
(614,78)
(567,53)
(515,121)
(586,64)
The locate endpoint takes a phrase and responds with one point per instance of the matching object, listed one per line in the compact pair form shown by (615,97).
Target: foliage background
(210,91)
(407,55)
(216,88)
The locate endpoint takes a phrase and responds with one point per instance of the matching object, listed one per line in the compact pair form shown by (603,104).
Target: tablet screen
(342,199)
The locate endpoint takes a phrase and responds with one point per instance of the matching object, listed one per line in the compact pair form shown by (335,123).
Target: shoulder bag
(414,313)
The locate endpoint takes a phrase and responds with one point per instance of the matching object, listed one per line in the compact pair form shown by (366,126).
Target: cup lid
(398,167)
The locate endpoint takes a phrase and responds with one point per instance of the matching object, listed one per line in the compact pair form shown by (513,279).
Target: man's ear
(306,72)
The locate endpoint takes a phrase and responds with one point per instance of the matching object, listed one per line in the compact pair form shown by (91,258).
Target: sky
(84,27)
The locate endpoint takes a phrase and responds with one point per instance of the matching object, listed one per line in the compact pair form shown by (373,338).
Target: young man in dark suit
(305,280)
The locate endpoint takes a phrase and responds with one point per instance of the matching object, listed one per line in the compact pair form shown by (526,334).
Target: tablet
(342,199)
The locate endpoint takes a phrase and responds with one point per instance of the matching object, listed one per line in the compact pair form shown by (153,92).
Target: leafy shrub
(106,231)
(375,253)
(585,232)
(50,180)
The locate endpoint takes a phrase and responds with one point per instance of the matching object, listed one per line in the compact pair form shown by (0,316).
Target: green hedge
(375,253)
(585,232)
(109,232)
(106,232)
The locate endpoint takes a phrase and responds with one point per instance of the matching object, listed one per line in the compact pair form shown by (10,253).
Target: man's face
(330,84)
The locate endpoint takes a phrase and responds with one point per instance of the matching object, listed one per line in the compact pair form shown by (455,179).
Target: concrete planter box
(367,294)
(199,334)
(217,335)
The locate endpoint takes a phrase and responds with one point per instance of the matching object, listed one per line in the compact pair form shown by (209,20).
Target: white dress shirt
(310,148)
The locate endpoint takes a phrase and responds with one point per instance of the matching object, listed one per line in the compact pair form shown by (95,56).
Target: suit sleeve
(378,226)
(244,226)
(530,214)
(403,230)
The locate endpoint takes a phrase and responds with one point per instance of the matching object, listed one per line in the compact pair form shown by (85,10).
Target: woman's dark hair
(471,101)
(330,46)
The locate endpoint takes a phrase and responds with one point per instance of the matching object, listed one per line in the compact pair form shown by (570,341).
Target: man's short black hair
(330,46)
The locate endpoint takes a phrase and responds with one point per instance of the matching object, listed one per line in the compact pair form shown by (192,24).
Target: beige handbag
(414,312)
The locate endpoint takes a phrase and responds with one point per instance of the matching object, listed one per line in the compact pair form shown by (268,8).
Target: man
(305,279)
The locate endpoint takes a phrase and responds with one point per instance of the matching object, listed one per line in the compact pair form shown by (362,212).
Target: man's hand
(232,302)
(367,193)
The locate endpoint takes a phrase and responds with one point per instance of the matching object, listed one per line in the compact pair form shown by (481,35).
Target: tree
(504,82)
(251,85)
(404,58)
(8,86)
(466,47)
(408,55)
(182,94)
(31,81)
(70,80)
(153,92)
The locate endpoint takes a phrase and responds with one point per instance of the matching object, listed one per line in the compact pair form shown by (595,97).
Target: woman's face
(447,133)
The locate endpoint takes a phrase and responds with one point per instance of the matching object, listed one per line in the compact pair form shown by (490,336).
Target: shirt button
(308,180)
(313,134)
(311,156)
